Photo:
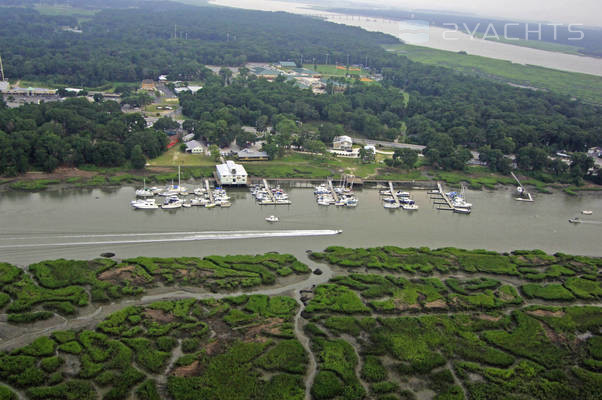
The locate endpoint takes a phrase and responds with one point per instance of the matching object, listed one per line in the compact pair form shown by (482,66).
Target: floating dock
(209,191)
(394,194)
(332,191)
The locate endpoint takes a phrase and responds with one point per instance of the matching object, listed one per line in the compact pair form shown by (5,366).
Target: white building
(194,147)
(4,86)
(342,143)
(370,147)
(188,138)
(231,173)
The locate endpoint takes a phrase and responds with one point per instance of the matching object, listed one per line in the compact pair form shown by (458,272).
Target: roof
(229,167)
(343,138)
(148,82)
(188,138)
(287,64)
(193,144)
(249,153)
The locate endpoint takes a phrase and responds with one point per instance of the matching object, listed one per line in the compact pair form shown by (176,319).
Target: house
(231,173)
(194,147)
(252,155)
(342,143)
(162,78)
(148,84)
(188,138)
(287,64)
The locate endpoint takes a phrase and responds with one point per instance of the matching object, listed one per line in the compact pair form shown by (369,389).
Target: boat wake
(139,238)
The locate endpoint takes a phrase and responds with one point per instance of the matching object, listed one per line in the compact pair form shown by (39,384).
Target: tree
(407,158)
(137,157)
(262,123)
(214,151)
(98,97)
(166,123)
(367,155)
(315,146)
(226,74)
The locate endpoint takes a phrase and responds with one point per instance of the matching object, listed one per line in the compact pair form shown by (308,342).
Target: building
(188,138)
(194,147)
(252,155)
(370,147)
(4,86)
(287,64)
(148,84)
(231,173)
(342,143)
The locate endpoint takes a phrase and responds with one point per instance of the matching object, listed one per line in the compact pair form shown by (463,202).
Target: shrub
(373,370)
(287,356)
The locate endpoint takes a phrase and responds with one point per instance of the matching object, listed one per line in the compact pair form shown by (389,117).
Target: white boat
(186,205)
(587,212)
(210,205)
(575,220)
(145,204)
(200,191)
(390,205)
(462,210)
(172,202)
(340,203)
(272,218)
(224,204)
(197,201)
(409,206)
(351,202)
(403,194)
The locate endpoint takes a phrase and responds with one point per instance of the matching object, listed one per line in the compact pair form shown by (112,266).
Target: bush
(148,391)
(27,318)
(327,385)
(373,370)
(287,356)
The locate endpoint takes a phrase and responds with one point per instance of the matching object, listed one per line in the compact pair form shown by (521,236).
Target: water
(437,38)
(87,222)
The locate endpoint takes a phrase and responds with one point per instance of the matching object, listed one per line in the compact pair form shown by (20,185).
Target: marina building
(252,155)
(194,147)
(231,173)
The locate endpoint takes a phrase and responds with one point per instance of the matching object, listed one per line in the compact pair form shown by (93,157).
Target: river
(437,38)
(87,222)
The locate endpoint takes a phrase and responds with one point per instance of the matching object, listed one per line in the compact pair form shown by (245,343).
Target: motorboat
(200,191)
(339,231)
(210,205)
(575,220)
(462,210)
(198,201)
(351,202)
(409,206)
(272,218)
(340,203)
(172,202)
(390,205)
(587,212)
(224,204)
(402,194)
(186,205)
(145,204)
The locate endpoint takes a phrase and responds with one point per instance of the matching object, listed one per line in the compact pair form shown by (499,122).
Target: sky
(587,12)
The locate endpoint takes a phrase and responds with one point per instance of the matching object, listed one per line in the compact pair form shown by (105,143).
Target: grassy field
(174,157)
(583,86)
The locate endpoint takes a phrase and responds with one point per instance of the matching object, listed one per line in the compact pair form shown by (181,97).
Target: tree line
(74,133)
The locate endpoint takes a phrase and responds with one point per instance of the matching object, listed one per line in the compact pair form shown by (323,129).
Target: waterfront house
(342,143)
(194,147)
(231,173)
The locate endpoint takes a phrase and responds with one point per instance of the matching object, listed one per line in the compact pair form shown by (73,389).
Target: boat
(272,218)
(587,212)
(172,202)
(340,203)
(403,194)
(351,202)
(462,210)
(390,205)
(144,192)
(210,205)
(224,204)
(197,201)
(339,231)
(186,205)
(145,204)
(409,206)
(575,220)
(200,191)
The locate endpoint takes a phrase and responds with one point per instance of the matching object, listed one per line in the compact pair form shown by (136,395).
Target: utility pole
(175,31)
(326,58)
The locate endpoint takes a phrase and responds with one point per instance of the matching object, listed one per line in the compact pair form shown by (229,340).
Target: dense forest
(447,111)
(74,132)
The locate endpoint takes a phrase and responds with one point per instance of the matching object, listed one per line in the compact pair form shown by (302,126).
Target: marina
(502,224)
(341,196)
(450,201)
(393,199)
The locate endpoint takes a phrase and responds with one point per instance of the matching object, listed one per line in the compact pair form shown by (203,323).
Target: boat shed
(231,173)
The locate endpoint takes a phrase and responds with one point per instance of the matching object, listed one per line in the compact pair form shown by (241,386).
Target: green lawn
(174,157)
(541,45)
(56,10)
(583,86)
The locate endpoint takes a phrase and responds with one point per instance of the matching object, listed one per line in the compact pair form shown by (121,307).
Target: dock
(332,191)
(394,194)
(267,188)
(209,191)
(439,194)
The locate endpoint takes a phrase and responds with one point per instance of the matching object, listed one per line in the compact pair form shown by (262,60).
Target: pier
(439,194)
(332,191)
(394,194)
(209,191)
(267,189)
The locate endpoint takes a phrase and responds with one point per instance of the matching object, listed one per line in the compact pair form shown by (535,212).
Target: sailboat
(174,190)
(144,192)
